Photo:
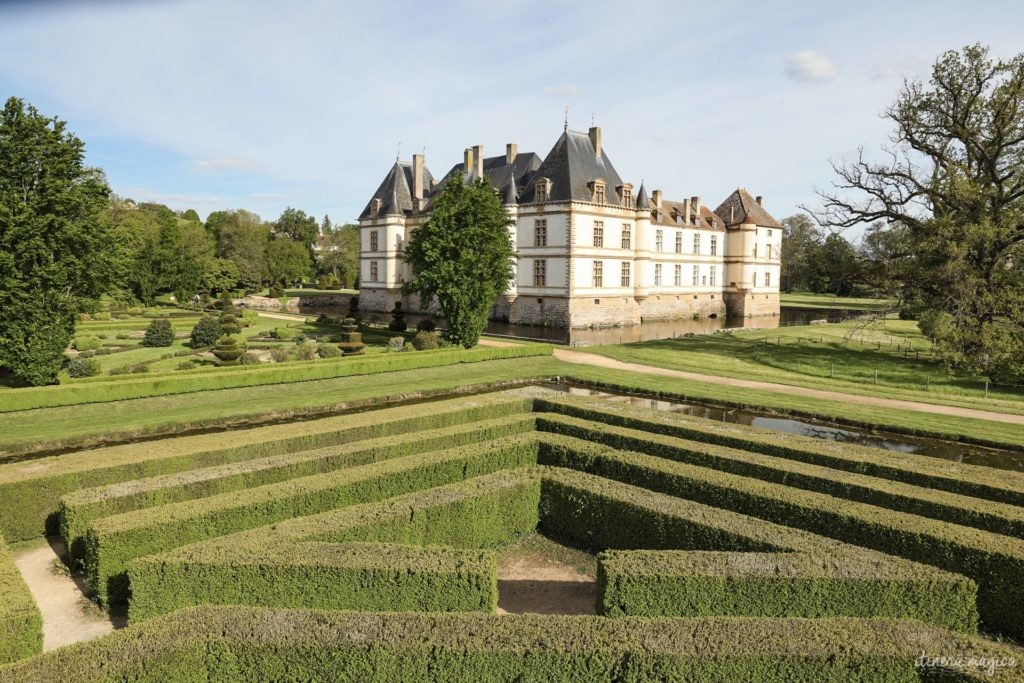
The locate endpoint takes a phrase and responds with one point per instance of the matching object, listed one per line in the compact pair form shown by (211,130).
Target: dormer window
(626,192)
(597,188)
(374,207)
(542,190)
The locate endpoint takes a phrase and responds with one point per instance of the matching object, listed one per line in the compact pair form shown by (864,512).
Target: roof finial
(398,154)
(593,114)
(566,128)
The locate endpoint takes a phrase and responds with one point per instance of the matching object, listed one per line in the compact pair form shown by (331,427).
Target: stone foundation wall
(547,310)
(294,304)
(681,306)
(750,305)
(608,311)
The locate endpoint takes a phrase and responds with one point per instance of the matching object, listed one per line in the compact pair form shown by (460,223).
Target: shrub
(122,335)
(276,292)
(87,342)
(186,365)
(283,333)
(396,344)
(101,315)
(103,335)
(102,351)
(206,332)
(328,350)
(250,318)
(424,341)
(280,354)
(305,350)
(159,333)
(84,367)
(87,354)
(426,325)
(139,368)
(328,281)
(249,358)
(21,624)
(228,351)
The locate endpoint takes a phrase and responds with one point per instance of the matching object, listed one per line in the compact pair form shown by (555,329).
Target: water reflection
(947,450)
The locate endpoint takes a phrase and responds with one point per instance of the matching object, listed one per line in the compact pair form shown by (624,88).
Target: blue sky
(262,105)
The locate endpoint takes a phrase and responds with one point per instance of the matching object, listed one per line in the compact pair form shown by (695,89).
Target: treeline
(160,250)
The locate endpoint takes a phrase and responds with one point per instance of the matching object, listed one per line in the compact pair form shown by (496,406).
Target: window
(659,240)
(542,190)
(769,233)
(375,207)
(374,240)
(657,275)
(767,279)
(678,281)
(374,273)
(627,196)
(714,245)
(679,241)
(696,275)
(704,279)
(598,273)
(627,240)
(755,249)
(714,270)
(625,274)
(768,247)
(599,193)
(540,233)
(696,244)
(598,233)
(540,273)
(696,219)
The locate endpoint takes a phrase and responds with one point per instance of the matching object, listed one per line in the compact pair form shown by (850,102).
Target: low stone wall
(294,304)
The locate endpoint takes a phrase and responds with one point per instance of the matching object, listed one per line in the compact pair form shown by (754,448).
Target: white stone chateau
(592,251)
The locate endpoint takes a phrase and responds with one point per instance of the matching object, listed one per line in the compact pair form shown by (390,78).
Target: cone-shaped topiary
(229,319)
(398,323)
(228,351)
(351,340)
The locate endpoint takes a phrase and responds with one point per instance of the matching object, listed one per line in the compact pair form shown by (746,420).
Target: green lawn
(808,300)
(821,356)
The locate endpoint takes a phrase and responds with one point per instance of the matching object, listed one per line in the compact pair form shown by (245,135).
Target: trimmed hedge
(995,562)
(744,567)
(32,489)
(21,624)
(296,563)
(102,389)
(246,644)
(920,470)
(79,508)
(1000,518)
(111,542)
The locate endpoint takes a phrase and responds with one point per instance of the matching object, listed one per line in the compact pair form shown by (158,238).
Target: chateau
(592,251)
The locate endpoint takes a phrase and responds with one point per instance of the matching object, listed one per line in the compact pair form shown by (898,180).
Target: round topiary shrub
(327,350)
(206,332)
(84,367)
(424,341)
(283,333)
(227,351)
(87,342)
(159,333)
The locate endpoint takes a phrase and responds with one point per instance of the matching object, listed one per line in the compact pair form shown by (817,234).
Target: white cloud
(145,194)
(223,164)
(809,66)
(565,89)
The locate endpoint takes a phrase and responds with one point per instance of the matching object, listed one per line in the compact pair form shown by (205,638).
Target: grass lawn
(808,300)
(821,356)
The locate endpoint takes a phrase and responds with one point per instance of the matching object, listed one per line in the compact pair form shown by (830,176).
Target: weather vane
(398,154)
(566,117)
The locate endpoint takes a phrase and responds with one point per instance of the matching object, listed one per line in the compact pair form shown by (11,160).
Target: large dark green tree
(287,261)
(339,254)
(242,238)
(801,238)
(464,256)
(56,256)
(953,178)
(299,226)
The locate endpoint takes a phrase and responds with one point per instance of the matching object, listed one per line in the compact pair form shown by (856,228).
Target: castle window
(659,240)
(714,222)
(714,270)
(678,281)
(374,271)
(598,233)
(696,243)
(657,275)
(598,273)
(540,233)
(627,236)
(769,232)
(540,273)
(624,281)
(768,248)
(696,275)
(542,190)
(374,207)
(679,241)
(714,245)
(696,219)
(374,240)
(767,279)
(599,194)
(626,192)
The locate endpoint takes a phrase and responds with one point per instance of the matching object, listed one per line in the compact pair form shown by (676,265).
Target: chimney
(417,176)
(511,150)
(478,160)
(732,215)
(759,200)
(467,165)
(656,198)
(686,210)
(696,206)
(595,140)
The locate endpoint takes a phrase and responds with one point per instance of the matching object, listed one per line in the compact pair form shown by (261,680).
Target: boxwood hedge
(21,624)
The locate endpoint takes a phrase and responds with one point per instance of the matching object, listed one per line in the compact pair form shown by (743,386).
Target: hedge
(1000,518)
(111,542)
(79,508)
(33,488)
(995,562)
(21,624)
(745,566)
(296,563)
(921,470)
(238,643)
(100,390)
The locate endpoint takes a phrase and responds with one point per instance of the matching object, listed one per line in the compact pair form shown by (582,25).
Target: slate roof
(739,205)
(670,209)
(395,191)
(642,201)
(498,173)
(571,166)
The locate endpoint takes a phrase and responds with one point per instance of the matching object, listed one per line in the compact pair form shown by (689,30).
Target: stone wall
(682,306)
(752,305)
(607,311)
(294,304)
(547,310)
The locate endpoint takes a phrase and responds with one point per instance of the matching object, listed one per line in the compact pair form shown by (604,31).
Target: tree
(800,239)
(206,332)
(953,177)
(182,256)
(339,254)
(835,268)
(159,333)
(299,226)
(56,255)
(886,269)
(325,225)
(191,215)
(287,261)
(242,238)
(464,256)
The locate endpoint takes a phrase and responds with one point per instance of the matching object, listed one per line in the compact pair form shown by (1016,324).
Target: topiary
(426,325)
(84,367)
(186,365)
(283,333)
(229,319)
(159,333)
(351,343)
(305,351)
(228,350)
(87,342)
(327,350)
(276,292)
(398,323)
(396,344)
(206,332)
(424,341)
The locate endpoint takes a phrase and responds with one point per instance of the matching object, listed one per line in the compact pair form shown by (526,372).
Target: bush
(228,351)
(87,342)
(424,341)
(122,335)
(426,325)
(21,624)
(186,365)
(102,351)
(396,344)
(283,333)
(159,333)
(280,354)
(84,367)
(249,358)
(276,292)
(206,332)
(305,350)
(101,315)
(103,335)
(328,281)
(86,354)
(328,350)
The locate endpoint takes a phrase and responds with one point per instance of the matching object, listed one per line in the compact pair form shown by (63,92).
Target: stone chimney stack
(417,176)
(467,163)
(511,150)
(595,140)
(656,199)
(696,206)
(759,200)
(686,210)
(478,160)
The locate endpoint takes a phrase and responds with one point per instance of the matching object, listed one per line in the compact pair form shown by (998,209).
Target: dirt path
(496,344)
(295,317)
(605,362)
(535,584)
(68,616)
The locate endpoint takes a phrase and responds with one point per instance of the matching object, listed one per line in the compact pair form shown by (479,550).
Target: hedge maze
(366,547)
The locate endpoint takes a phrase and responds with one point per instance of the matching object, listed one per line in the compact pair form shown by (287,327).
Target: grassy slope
(802,360)
(808,300)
